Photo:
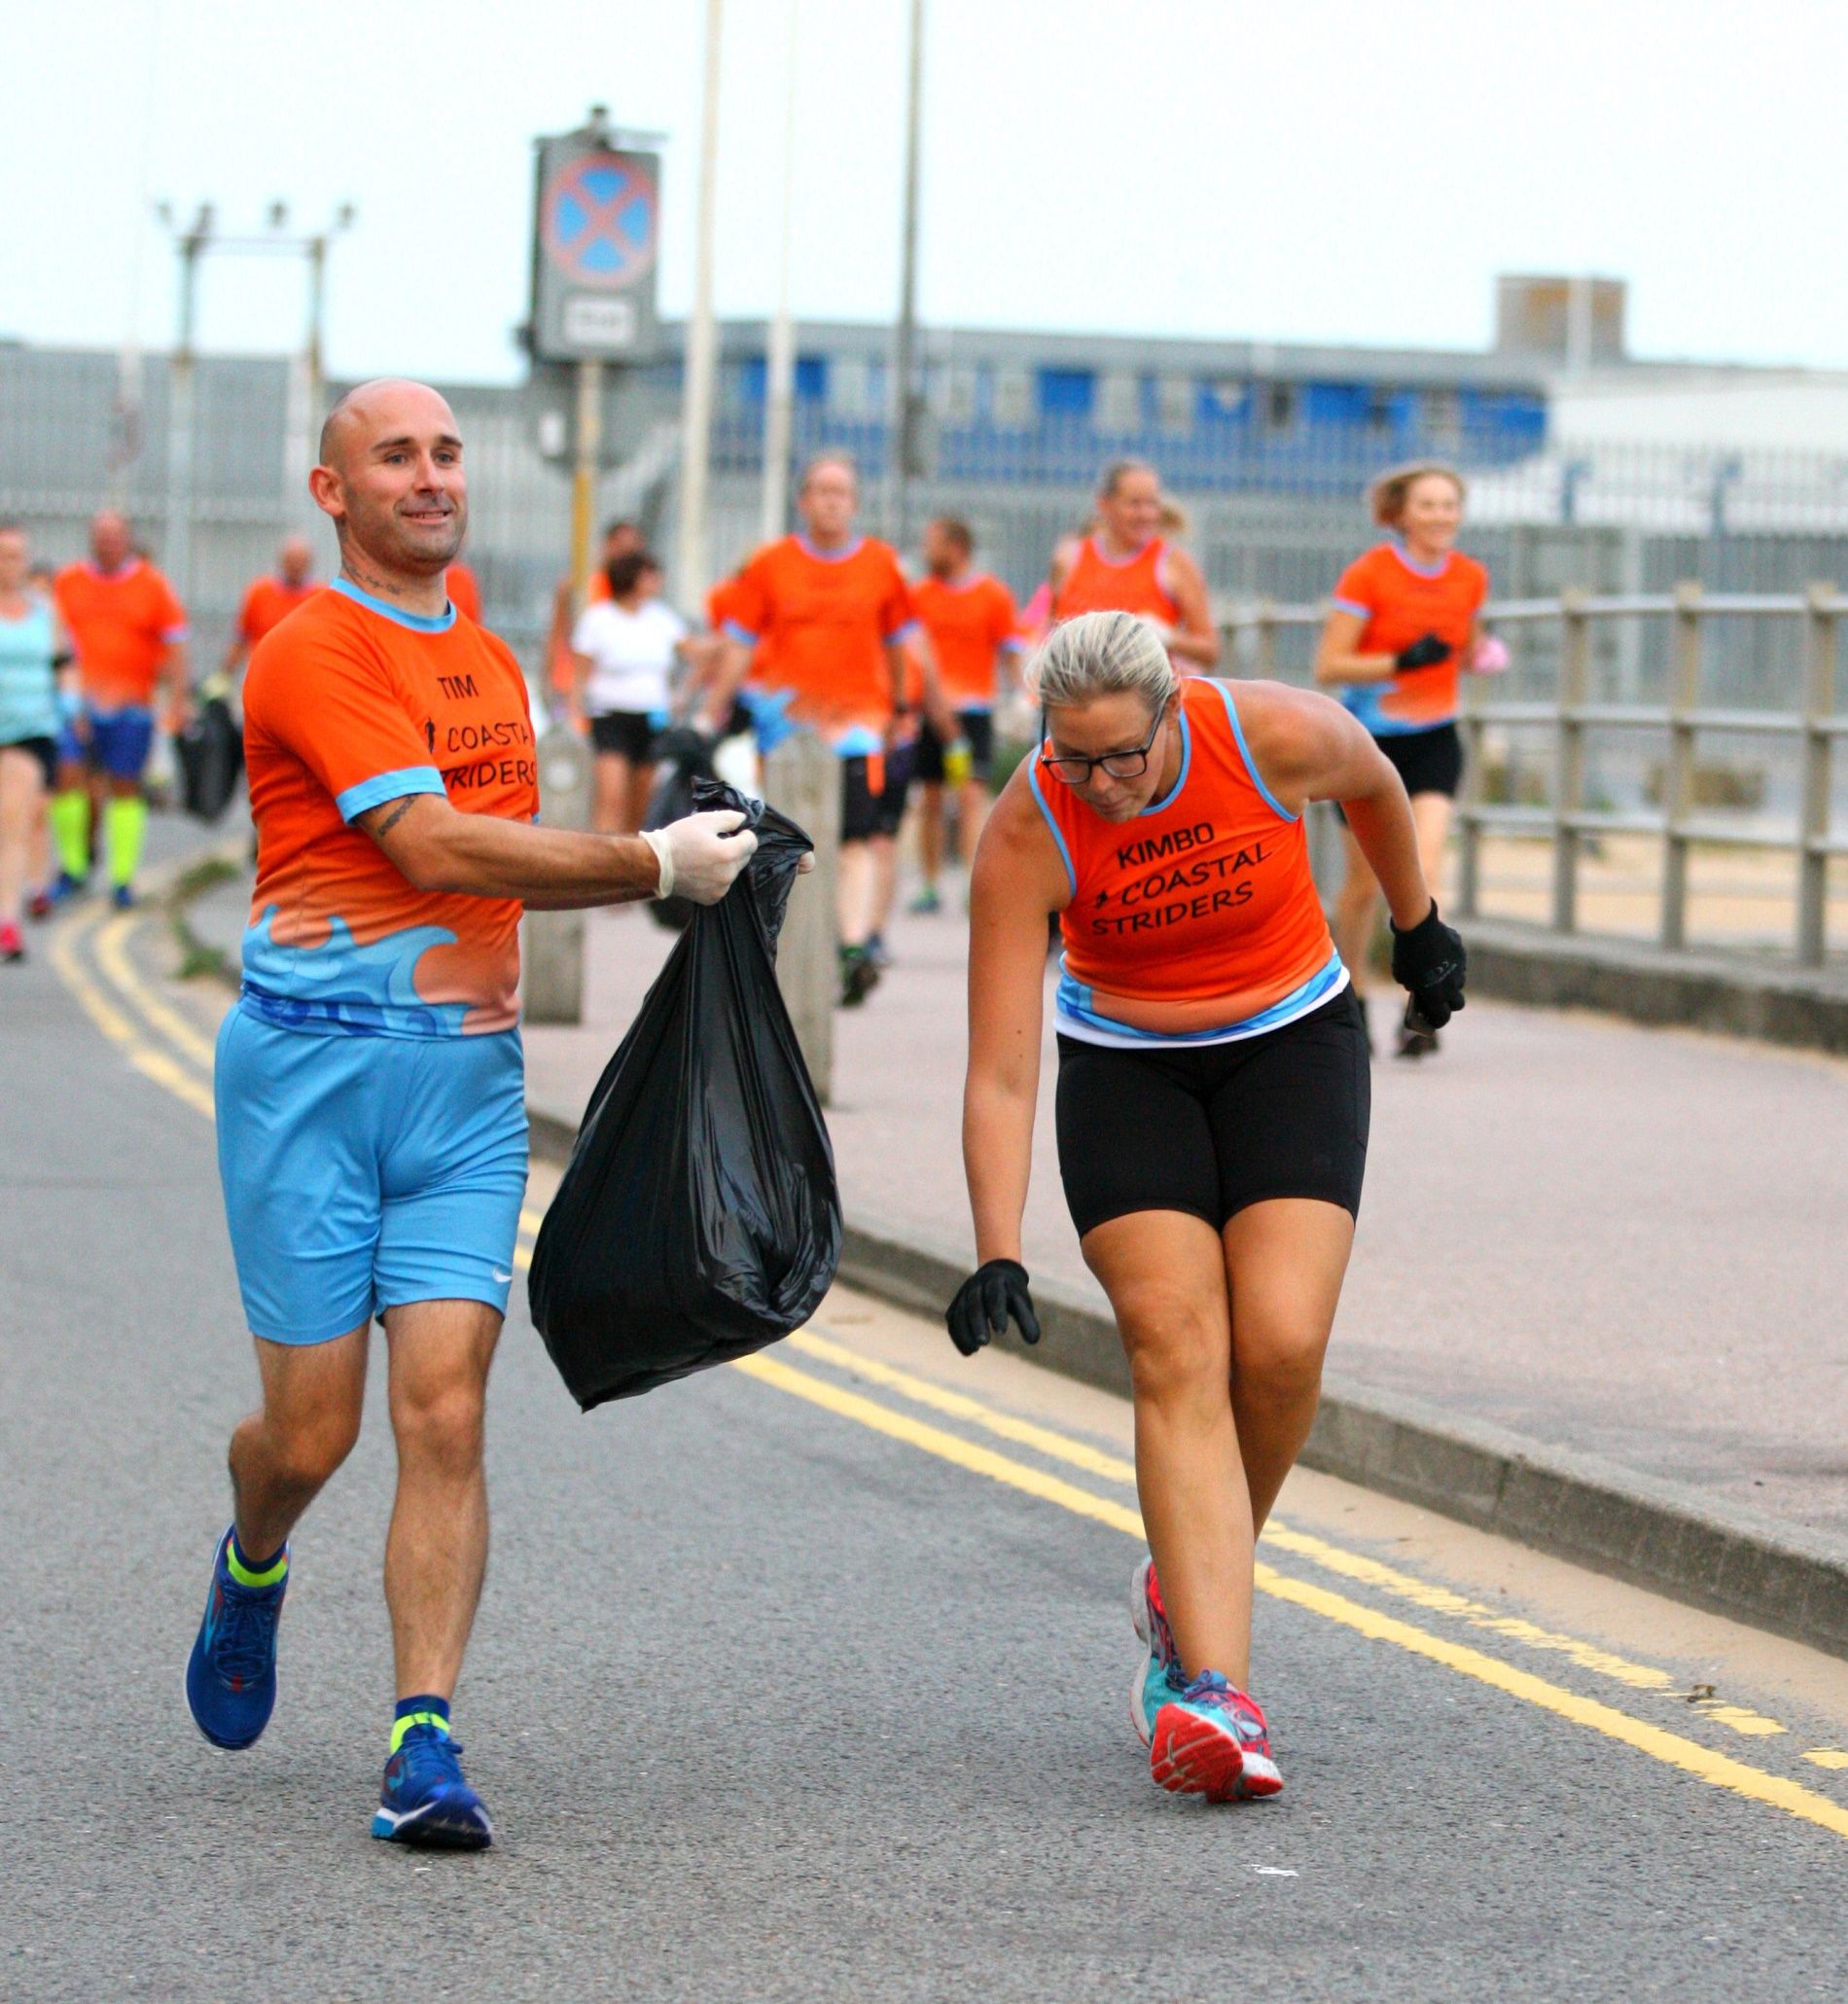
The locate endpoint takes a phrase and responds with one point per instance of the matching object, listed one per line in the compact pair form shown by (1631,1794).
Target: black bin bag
(211,755)
(698,1219)
(684,759)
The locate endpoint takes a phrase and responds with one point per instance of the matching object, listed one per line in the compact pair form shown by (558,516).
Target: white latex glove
(701,856)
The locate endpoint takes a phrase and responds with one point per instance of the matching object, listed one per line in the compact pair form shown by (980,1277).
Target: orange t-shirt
(465,594)
(1198,920)
(350,703)
(1400,603)
(267,603)
(722,603)
(827,621)
(121,627)
(1095,584)
(970,622)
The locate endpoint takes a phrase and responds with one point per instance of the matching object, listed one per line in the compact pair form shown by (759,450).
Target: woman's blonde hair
(1102,654)
(1386,498)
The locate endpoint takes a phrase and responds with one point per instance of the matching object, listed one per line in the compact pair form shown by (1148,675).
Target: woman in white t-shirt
(625,648)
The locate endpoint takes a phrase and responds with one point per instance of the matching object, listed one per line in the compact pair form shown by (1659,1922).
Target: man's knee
(441,1423)
(303,1453)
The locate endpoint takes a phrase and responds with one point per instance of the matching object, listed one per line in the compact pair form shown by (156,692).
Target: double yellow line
(140,1023)
(90,953)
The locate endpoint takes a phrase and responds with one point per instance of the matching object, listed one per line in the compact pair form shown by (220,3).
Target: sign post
(596,234)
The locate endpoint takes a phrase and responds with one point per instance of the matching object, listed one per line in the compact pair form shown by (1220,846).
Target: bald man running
(372,1122)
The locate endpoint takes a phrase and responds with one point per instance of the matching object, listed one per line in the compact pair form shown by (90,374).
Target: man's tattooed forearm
(391,821)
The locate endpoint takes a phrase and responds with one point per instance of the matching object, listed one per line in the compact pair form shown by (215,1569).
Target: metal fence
(1269,517)
(1607,726)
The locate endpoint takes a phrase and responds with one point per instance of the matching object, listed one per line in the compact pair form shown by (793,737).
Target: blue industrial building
(1216,417)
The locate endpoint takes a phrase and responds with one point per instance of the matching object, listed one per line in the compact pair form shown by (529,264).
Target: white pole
(779,398)
(700,358)
(905,358)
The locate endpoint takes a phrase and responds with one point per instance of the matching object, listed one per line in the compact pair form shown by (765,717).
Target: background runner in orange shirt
(129,632)
(834,611)
(1404,627)
(272,599)
(1125,564)
(465,594)
(974,628)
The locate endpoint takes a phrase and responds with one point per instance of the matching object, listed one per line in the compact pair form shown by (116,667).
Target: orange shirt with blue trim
(122,625)
(971,624)
(267,603)
(825,619)
(350,703)
(1402,600)
(465,594)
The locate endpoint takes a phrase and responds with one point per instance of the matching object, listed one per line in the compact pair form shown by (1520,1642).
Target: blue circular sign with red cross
(599,220)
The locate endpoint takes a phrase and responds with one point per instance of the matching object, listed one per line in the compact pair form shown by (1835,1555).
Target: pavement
(802,1679)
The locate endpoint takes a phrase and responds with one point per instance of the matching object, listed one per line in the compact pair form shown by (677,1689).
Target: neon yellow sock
(69,815)
(125,830)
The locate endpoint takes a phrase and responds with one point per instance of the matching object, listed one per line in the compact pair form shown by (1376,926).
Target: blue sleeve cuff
(743,635)
(1353,605)
(904,632)
(387,786)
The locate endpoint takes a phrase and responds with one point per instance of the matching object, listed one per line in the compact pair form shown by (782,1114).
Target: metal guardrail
(1567,821)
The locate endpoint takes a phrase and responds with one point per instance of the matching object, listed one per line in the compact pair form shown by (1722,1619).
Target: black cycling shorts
(628,734)
(43,750)
(859,804)
(901,763)
(1427,760)
(978,727)
(1212,1127)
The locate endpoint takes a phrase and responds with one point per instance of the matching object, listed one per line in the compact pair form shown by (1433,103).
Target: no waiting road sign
(596,232)
(600,215)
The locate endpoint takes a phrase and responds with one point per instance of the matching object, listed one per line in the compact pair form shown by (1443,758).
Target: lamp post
(192,241)
(699,360)
(779,385)
(904,429)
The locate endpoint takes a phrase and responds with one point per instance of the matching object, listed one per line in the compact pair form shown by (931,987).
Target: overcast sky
(1307,169)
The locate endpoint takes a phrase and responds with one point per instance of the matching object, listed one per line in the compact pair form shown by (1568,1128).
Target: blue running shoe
(1158,1677)
(425,1800)
(1212,1740)
(123,897)
(231,1678)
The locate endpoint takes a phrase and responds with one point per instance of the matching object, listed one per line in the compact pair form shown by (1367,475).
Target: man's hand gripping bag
(700,1218)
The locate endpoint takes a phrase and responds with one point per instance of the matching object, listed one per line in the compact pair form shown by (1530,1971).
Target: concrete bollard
(551,945)
(801,777)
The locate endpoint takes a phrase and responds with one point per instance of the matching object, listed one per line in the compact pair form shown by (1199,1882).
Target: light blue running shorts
(364,1172)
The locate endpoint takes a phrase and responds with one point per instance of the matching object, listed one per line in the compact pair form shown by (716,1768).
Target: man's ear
(328,492)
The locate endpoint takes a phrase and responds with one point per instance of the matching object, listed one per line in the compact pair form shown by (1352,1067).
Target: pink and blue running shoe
(425,1800)
(1158,1676)
(1212,1740)
(230,1677)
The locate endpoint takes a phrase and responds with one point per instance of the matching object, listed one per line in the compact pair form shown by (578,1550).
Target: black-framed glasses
(1120,765)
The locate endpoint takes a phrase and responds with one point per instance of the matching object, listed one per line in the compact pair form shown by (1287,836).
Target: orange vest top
(1197,922)
(1094,583)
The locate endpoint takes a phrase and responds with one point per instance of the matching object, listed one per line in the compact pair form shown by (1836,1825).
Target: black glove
(1426,651)
(984,1302)
(1429,960)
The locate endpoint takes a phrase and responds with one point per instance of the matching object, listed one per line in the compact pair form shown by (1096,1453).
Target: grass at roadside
(199,960)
